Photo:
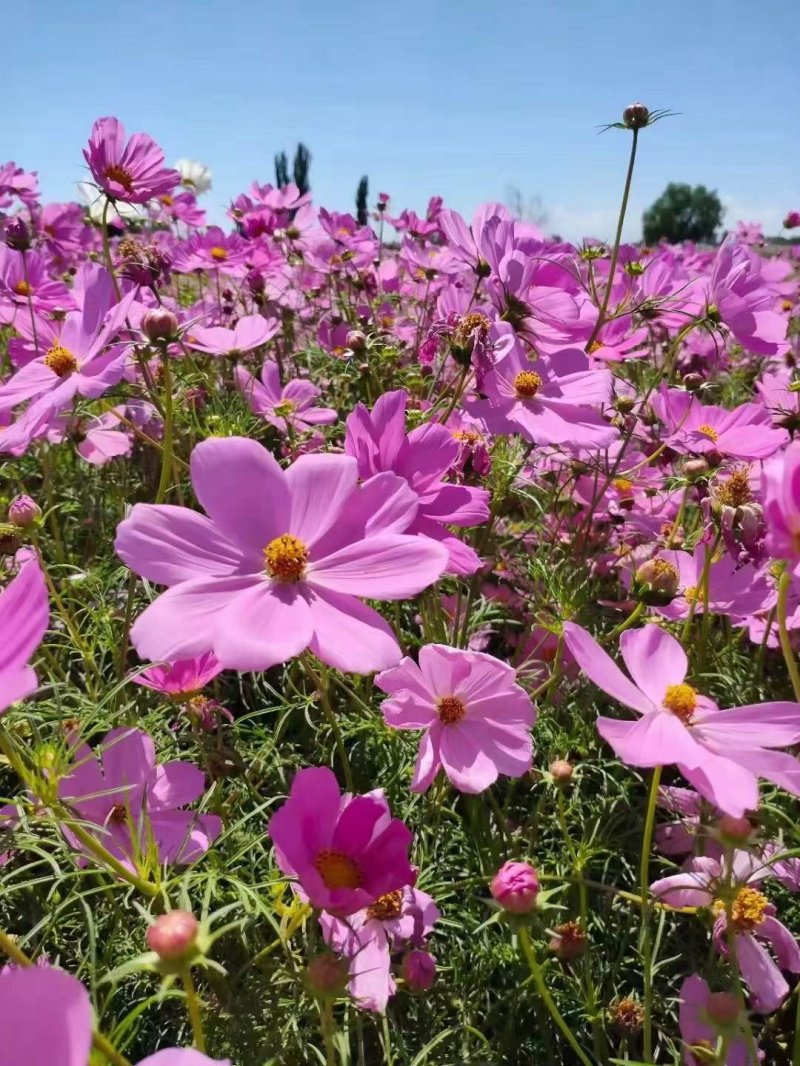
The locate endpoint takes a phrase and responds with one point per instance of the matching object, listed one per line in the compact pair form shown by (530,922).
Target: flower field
(398,632)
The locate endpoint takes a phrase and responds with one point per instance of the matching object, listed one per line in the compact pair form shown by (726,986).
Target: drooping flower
(722,753)
(345,851)
(476,718)
(395,921)
(136,804)
(291,404)
(279,564)
(24,615)
(128,169)
(378,441)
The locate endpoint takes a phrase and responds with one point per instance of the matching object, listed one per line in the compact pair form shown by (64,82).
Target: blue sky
(460,98)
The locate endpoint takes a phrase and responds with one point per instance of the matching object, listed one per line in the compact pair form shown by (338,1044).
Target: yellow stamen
(286,557)
(681,700)
(708,431)
(219,255)
(451,709)
(337,870)
(526,384)
(119,175)
(61,361)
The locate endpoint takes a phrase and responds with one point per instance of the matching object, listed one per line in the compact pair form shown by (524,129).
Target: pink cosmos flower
(744,433)
(103,438)
(212,250)
(702,884)
(345,851)
(24,615)
(781,483)
(738,293)
(378,440)
(46,1017)
(15,181)
(135,804)
(704,1017)
(734,591)
(552,400)
(249,332)
(396,920)
(476,718)
(38,289)
(131,170)
(186,677)
(722,753)
(283,405)
(279,563)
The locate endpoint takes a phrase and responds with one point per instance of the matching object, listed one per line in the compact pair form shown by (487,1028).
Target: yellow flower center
(681,700)
(708,431)
(166,200)
(286,557)
(119,175)
(337,870)
(22,288)
(747,910)
(526,384)
(61,361)
(386,906)
(621,484)
(691,594)
(285,407)
(468,436)
(735,491)
(451,709)
(219,255)
(787,305)
(595,346)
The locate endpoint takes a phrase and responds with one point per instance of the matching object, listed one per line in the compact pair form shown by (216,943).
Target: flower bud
(160,325)
(626,1015)
(568,941)
(656,582)
(738,829)
(23,512)
(694,468)
(792,220)
(355,340)
(693,381)
(723,1008)
(419,970)
(254,280)
(326,975)
(173,936)
(515,887)
(561,771)
(635,116)
(17,235)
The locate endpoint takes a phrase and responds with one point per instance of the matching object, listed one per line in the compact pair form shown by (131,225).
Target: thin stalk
(644,890)
(322,688)
(328,1028)
(107,251)
(30,300)
(538,979)
(166,454)
(783,633)
(601,318)
(193,1008)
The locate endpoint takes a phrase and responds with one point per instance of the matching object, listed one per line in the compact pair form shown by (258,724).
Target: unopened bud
(635,116)
(723,1008)
(561,771)
(160,325)
(693,381)
(515,887)
(23,512)
(419,970)
(568,941)
(694,468)
(625,404)
(326,975)
(17,235)
(355,340)
(173,936)
(656,582)
(735,828)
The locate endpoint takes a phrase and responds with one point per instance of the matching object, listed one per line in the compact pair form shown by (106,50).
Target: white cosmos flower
(96,202)
(195,176)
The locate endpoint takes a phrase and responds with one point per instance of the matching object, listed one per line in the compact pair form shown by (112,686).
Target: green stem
(601,318)
(538,979)
(644,890)
(193,1008)
(166,453)
(322,688)
(631,620)
(328,1027)
(107,251)
(783,633)
(30,300)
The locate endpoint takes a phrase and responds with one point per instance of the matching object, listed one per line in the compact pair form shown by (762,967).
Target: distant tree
(683,213)
(530,210)
(281,170)
(302,163)
(362,194)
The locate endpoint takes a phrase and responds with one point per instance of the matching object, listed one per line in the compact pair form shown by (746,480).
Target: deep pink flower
(281,562)
(397,920)
(131,170)
(135,804)
(24,615)
(552,400)
(515,887)
(378,440)
(186,677)
(38,288)
(476,718)
(792,220)
(46,1017)
(721,752)
(345,851)
(705,1017)
(286,405)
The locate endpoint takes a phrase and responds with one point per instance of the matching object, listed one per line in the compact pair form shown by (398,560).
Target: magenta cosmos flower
(136,804)
(181,679)
(345,851)
(704,883)
(24,614)
(782,504)
(722,753)
(46,1017)
(706,1018)
(131,170)
(283,405)
(476,718)
(278,563)
(552,400)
